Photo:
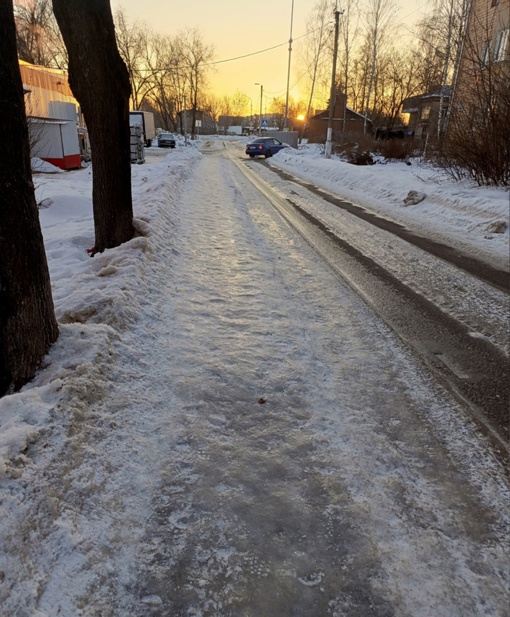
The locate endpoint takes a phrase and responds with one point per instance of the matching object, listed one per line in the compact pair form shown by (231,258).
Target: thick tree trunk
(27,319)
(99,79)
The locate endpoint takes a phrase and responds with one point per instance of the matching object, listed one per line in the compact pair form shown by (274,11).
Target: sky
(237,28)
(140,454)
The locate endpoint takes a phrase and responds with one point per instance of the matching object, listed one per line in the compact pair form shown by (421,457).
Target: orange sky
(240,27)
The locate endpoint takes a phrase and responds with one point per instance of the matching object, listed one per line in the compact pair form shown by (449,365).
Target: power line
(262,51)
(254,53)
(411,13)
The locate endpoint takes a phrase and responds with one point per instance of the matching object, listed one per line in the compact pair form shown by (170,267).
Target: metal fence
(288,137)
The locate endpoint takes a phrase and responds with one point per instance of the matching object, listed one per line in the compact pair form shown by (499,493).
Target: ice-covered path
(303,471)
(276,452)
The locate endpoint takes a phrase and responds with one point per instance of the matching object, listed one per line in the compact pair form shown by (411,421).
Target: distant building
(425,112)
(208,125)
(56,128)
(345,120)
(484,71)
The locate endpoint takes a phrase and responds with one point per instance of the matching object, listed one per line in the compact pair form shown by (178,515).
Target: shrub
(354,148)
(396,149)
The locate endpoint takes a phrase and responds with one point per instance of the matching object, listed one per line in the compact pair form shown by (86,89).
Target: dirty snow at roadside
(209,438)
(458,213)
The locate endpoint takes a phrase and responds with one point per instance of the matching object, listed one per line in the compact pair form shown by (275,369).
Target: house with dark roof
(345,120)
(427,112)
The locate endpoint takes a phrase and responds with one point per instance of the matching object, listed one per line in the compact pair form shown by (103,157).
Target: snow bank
(459,211)
(95,298)
(42,167)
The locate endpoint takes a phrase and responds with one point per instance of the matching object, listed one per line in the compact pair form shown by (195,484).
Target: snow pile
(43,167)
(95,298)
(458,211)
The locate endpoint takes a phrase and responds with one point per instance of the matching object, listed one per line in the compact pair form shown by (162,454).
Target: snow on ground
(460,213)
(43,167)
(85,289)
(478,305)
(99,302)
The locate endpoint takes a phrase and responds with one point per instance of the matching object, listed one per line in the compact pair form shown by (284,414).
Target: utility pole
(329,138)
(185,124)
(260,116)
(286,120)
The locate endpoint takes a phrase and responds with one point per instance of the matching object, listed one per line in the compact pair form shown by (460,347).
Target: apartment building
(484,70)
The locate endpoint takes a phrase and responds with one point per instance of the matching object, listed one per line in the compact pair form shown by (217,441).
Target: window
(495,3)
(485,54)
(500,45)
(425,112)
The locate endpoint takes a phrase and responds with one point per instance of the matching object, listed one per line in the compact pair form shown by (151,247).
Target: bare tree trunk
(315,47)
(27,320)
(313,78)
(347,37)
(378,25)
(99,79)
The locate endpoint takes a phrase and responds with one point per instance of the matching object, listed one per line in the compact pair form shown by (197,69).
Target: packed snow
(206,428)
(460,213)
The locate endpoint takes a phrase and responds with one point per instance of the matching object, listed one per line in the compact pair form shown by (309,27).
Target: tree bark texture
(27,319)
(99,80)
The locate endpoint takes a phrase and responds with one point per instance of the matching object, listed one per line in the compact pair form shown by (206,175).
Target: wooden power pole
(329,138)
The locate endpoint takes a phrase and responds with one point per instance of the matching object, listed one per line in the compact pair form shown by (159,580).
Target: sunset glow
(240,32)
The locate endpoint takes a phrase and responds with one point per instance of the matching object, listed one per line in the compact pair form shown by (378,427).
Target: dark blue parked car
(264,146)
(166,140)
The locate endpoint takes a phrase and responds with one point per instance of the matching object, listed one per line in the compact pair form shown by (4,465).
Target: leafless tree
(315,52)
(99,79)
(442,32)
(176,70)
(295,109)
(429,54)
(377,18)
(27,320)
(196,58)
(212,104)
(167,84)
(349,30)
(224,110)
(239,103)
(398,81)
(137,48)
(38,37)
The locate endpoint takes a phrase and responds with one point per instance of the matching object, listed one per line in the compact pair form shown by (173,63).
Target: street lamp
(260,116)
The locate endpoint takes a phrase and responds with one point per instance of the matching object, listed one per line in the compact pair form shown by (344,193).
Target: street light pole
(260,116)
(329,138)
(286,121)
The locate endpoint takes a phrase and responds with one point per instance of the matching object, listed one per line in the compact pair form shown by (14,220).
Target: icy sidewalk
(301,465)
(248,440)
